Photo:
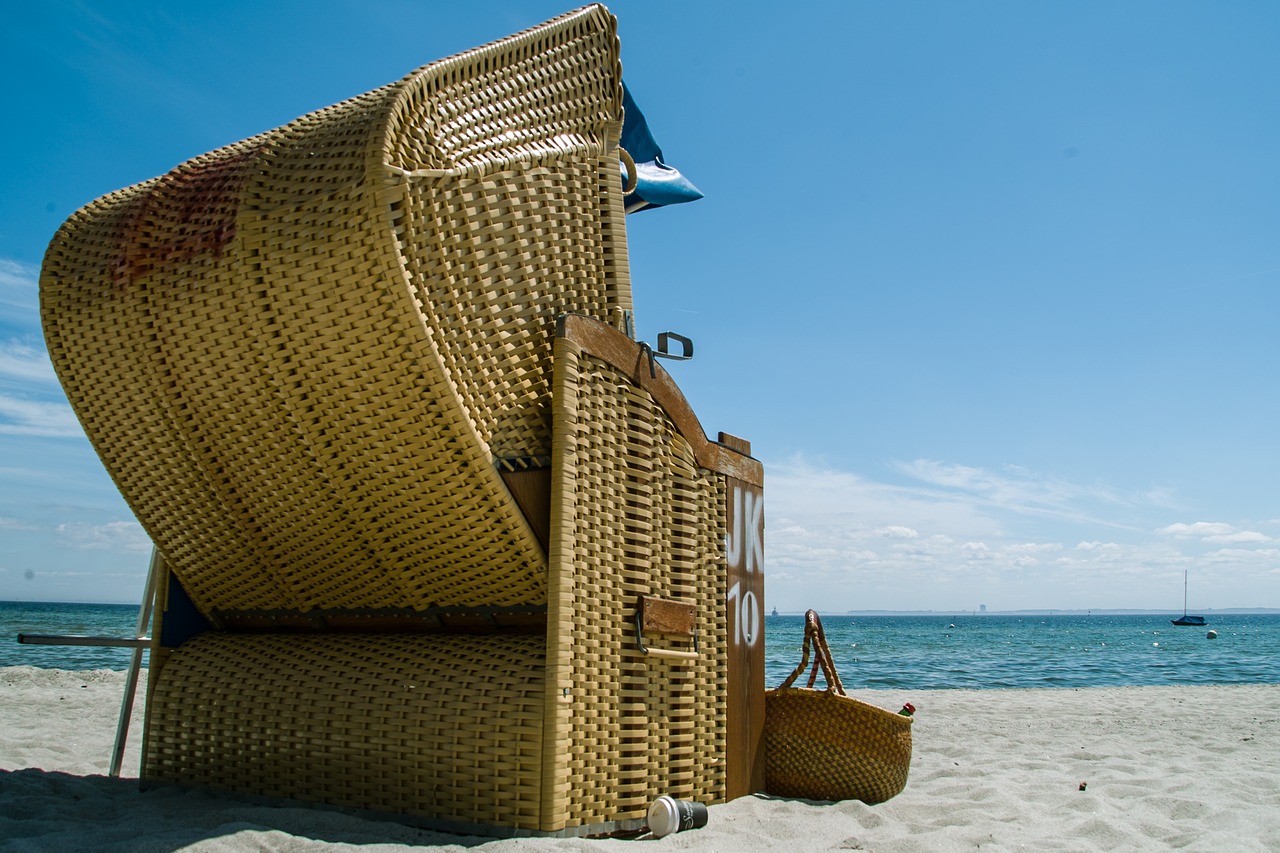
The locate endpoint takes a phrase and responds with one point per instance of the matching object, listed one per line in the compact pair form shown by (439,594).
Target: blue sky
(990,286)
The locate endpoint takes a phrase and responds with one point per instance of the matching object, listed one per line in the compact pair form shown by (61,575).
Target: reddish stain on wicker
(188,213)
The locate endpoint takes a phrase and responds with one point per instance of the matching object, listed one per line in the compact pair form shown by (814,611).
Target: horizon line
(1035,611)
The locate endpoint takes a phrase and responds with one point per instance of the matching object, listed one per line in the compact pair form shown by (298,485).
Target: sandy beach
(1161,768)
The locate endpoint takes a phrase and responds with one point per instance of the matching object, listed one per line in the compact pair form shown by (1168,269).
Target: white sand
(1165,767)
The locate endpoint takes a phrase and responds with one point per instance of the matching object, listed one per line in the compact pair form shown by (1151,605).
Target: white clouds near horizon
(952,537)
(1216,532)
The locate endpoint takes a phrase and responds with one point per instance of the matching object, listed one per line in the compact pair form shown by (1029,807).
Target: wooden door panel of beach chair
(632,516)
(641,509)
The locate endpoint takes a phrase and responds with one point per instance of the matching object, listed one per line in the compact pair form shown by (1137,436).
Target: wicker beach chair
(439,538)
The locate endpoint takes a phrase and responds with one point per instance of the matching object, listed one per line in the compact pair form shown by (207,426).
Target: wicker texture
(629,725)
(305,359)
(443,728)
(824,745)
(301,356)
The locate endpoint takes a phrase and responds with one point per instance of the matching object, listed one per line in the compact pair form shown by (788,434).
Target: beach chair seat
(367,380)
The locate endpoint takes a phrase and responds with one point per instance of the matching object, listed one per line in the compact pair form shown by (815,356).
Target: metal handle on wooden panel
(664,653)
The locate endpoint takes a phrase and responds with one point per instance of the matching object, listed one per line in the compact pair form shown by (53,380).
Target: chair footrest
(432,726)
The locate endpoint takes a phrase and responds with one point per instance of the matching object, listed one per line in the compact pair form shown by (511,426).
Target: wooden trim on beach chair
(636,361)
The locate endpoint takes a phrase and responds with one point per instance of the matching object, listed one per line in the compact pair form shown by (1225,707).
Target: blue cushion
(657,184)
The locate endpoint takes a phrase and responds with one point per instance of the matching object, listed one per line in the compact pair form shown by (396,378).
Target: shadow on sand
(59,811)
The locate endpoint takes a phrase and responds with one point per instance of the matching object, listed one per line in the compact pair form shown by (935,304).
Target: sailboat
(1185,619)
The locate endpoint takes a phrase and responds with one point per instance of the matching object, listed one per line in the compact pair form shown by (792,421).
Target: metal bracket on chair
(664,339)
(685,344)
(663,616)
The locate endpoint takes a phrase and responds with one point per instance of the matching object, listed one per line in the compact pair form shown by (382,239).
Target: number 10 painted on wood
(744,603)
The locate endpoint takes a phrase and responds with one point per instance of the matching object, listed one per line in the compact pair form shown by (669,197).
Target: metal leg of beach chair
(135,665)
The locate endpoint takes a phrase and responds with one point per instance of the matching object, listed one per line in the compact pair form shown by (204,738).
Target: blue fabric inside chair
(657,184)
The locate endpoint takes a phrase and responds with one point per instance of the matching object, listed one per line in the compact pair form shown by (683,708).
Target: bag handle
(815,637)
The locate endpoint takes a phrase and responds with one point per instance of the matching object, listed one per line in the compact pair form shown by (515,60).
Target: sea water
(92,620)
(913,652)
(993,651)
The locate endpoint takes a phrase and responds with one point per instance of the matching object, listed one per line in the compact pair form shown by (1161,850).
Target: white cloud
(1213,531)
(1270,556)
(115,536)
(1200,528)
(1239,537)
(802,491)
(19,299)
(1025,493)
(17,275)
(1014,487)
(28,417)
(846,541)
(1033,547)
(31,403)
(24,363)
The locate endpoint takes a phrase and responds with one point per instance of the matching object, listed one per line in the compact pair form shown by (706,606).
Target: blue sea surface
(93,620)
(915,652)
(993,651)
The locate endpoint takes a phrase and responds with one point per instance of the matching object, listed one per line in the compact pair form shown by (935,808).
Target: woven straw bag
(824,745)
